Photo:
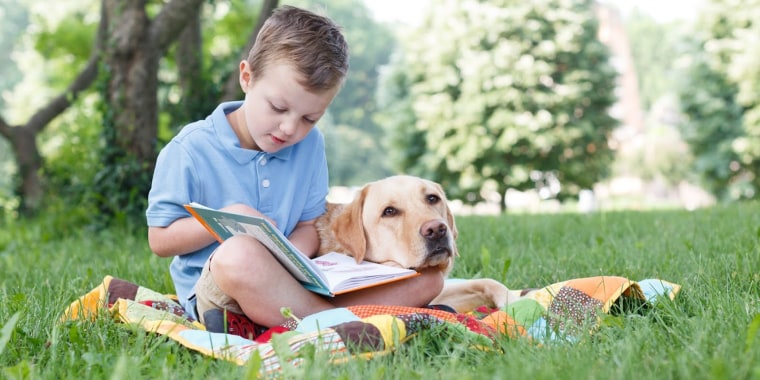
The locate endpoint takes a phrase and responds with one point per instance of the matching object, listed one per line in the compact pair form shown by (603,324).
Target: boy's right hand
(240,208)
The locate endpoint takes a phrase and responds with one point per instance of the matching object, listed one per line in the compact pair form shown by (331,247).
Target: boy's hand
(240,208)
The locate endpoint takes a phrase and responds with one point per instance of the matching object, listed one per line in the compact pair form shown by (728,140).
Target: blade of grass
(7,331)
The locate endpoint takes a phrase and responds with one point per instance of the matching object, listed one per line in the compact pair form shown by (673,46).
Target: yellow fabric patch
(88,305)
(390,327)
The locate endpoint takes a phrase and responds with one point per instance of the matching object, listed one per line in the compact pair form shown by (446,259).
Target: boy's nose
(288,127)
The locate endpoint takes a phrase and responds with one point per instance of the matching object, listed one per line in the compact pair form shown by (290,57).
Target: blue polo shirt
(204,163)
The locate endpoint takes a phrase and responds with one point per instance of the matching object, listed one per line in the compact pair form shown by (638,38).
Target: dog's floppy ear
(453,228)
(348,227)
(450,220)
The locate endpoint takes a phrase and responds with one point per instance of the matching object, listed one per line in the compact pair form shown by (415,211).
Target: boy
(261,156)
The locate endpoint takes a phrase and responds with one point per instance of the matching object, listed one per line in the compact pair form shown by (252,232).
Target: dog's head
(402,221)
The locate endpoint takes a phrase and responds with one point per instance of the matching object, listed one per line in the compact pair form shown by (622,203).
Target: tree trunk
(192,82)
(29,187)
(132,62)
(131,46)
(502,189)
(135,46)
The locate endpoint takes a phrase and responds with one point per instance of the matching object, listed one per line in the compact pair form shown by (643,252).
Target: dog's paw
(497,295)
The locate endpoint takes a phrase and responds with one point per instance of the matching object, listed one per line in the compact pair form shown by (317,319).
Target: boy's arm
(305,237)
(183,236)
(187,235)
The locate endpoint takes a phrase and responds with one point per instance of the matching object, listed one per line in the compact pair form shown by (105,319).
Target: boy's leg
(247,273)
(251,280)
(208,296)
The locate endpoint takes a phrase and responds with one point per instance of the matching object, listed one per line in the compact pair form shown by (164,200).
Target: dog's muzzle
(437,242)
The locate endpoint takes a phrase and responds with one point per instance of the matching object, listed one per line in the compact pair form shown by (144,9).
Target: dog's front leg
(466,295)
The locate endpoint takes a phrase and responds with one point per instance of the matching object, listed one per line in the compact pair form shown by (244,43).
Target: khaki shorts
(208,296)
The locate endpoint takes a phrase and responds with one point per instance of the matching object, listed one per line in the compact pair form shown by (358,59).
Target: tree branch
(57,105)
(61,102)
(5,129)
(171,20)
(231,89)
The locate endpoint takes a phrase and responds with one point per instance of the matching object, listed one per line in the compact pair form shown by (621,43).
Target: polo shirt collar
(230,141)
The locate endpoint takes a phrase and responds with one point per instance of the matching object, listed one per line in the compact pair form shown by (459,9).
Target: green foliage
(13,21)
(121,184)
(515,91)
(713,120)
(350,123)
(224,35)
(354,139)
(721,100)
(72,38)
(64,43)
(82,161)
(660,154)
(655,49)
(69,143)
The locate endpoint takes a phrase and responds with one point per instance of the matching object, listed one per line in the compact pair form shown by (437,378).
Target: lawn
(711,330)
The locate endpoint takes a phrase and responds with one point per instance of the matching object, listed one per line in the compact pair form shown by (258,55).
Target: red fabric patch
(266,336)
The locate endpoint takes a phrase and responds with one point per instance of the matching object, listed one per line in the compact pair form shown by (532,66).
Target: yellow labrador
(405,221)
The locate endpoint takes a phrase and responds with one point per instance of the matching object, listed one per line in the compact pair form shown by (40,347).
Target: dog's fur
(405,221)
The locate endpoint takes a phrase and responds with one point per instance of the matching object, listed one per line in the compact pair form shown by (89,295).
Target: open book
(330,274)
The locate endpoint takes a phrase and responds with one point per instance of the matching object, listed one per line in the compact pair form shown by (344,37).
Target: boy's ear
(348,227)
(245,75)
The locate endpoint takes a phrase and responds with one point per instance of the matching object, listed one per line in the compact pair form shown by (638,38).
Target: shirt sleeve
(174,179)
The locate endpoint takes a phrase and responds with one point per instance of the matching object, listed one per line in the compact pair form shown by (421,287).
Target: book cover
(330,274)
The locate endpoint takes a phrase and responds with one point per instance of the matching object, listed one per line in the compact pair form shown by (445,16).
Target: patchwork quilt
(559,311)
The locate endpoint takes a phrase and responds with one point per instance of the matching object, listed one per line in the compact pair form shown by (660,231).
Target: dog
(405,221)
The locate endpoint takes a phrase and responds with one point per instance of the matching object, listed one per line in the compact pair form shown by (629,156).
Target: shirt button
(263,162)
(265,183)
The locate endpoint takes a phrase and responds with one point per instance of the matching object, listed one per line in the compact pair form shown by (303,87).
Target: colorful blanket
(558,311)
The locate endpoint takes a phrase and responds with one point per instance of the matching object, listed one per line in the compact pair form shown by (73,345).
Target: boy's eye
(277,109)
(309,120)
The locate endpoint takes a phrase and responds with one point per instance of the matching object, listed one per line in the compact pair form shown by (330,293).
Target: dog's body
(405,221)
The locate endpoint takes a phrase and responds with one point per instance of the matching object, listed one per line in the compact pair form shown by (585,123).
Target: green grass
(710,331)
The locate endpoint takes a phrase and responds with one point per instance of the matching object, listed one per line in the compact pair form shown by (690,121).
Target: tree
(132,38)
(134,45)
(503,94)
(653,46)
(22,138)
(652,147)
(721,99)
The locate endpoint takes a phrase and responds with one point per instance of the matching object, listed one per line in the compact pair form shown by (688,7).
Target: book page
(342,272)
(224,225)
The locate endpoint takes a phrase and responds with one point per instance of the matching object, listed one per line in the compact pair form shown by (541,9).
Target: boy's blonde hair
(313,44)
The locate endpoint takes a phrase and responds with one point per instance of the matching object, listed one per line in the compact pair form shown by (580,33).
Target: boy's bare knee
(234,252)
(241,262)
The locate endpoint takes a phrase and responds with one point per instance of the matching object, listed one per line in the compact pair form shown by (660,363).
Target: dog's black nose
(433,230)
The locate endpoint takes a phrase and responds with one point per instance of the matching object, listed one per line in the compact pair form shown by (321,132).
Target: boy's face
(278,111)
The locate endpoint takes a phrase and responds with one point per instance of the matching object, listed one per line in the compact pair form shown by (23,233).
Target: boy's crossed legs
(245,278)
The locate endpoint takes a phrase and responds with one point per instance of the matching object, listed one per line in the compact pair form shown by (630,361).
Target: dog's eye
(433,199)
(390,211)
